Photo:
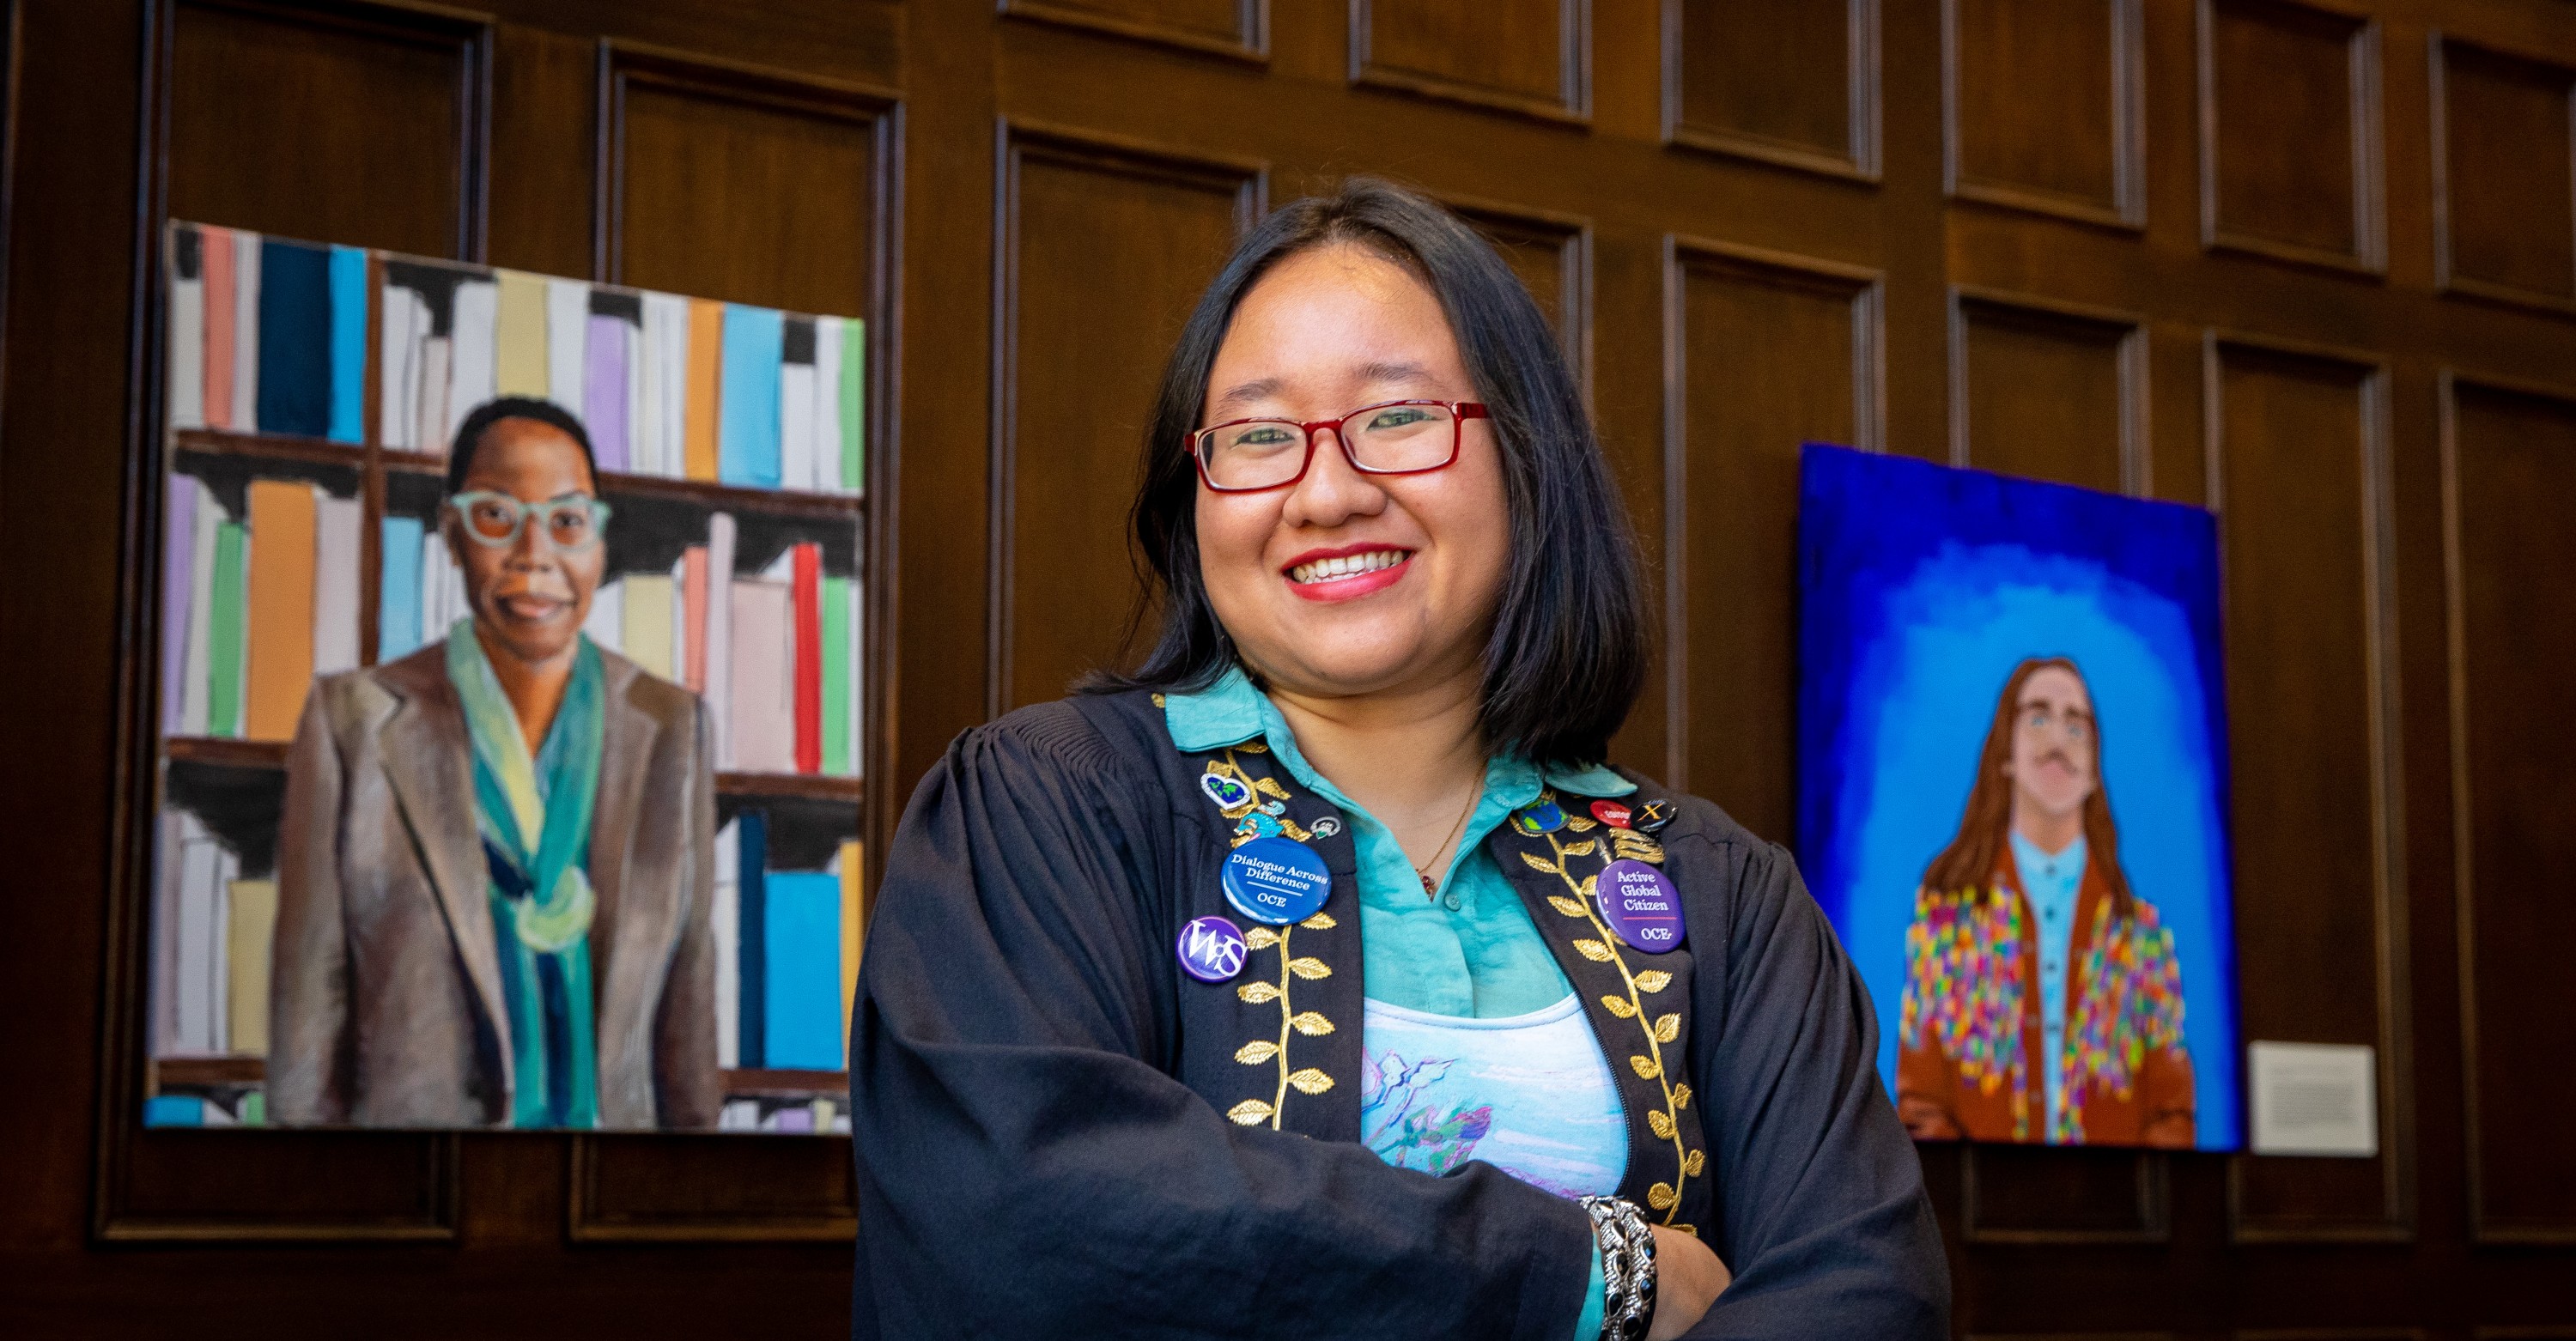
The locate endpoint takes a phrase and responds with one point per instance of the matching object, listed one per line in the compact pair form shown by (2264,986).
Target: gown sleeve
(1025,1166)
(1822,1214)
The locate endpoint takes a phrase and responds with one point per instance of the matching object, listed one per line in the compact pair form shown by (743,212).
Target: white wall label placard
(2313,1099)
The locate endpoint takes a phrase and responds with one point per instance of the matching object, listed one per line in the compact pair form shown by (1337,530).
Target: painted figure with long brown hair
(2043,1001)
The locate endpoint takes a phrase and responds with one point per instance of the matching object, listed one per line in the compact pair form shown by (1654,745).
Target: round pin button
(1611,813)
(1276,880)
(1212,949)
(1544,817)
(1641,906)
(1654,815)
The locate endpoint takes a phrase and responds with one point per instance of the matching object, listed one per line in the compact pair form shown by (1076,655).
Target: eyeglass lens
(1260,453)
(570,523)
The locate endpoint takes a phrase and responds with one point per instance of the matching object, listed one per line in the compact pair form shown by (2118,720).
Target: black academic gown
(1059,1133)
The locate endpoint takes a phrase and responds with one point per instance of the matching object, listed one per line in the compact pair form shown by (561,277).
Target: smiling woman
(448,844)
(1316,978)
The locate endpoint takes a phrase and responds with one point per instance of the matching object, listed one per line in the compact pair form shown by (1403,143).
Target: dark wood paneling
(2049,391)
(1528,56)
(2504,175)
(789,166)
(679,1189)
(1103,247)
(1763,351)
(1551,253)
(2046,106)
(2290,133)
(1234,28)
(2033,1194)
(2298,471)
(384,108)
(1792,82)
(2509,467)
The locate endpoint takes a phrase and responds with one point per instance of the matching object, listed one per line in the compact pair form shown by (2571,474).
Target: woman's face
(532,593)
(1326,332)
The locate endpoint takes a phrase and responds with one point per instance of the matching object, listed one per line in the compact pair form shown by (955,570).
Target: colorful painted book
(719,634)
(850,869)
(337,523)
(747,443)
(802,929)
(187,353)
(519,334)
(646,639)
(840,737)
(224,679)
(827,406)
(251,918)
(348,345)
(294,341)
(799,463)
(751,903)
(178,558)
(724,921)
(692,578)
(279,622)
(244,399)
(762,690)
(398,594)
(568,349)
(854,404)
(606,622)
(217,381)
(609,390)
(705,389)
(196,670)
(807,644)
(473,355)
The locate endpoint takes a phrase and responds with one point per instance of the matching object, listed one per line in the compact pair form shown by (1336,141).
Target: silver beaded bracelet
(1627,1267)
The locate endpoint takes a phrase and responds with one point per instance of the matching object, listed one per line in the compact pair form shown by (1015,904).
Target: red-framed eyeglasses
(1396,437)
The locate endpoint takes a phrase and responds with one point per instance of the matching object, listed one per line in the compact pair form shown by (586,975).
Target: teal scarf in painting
(534,817)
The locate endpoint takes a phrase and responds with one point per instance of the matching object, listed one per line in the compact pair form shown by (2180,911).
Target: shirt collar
(2058,865)
(1231,711)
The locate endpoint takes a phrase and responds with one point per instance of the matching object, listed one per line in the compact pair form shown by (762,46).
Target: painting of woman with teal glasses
(497,858)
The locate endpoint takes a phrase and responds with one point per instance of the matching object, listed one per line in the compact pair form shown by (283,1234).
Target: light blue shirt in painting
(2051,881)
(1460,983)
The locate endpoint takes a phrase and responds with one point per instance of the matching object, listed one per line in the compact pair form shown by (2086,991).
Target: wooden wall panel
(2046,106)
(1528,56)
(2048,391)
(1763,351)
(2063,1196)
(1102,248)
(2509,465)
(789,165)
(1551,254)
(2504,175)
(1793,82)
(2290,133)
(2299,466)
(1237,28)
(246,83)
(666,1189)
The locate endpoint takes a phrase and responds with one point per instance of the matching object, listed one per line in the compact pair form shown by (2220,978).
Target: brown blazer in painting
(386,1005)
(1969,1041)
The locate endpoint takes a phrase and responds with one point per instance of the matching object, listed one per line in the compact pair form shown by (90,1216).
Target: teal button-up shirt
(1470,949)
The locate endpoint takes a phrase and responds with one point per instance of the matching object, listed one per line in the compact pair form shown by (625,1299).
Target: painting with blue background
(1922,587)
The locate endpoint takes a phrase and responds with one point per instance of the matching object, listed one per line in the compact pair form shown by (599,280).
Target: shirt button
(2051,966)
(1452,903)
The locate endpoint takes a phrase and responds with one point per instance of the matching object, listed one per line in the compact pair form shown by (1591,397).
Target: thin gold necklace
(1431,887)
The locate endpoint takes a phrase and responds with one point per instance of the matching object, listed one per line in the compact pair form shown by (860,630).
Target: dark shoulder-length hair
(1976,854)
(1567,656)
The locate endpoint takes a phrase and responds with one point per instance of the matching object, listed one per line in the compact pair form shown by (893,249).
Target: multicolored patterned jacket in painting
(1969,1038)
